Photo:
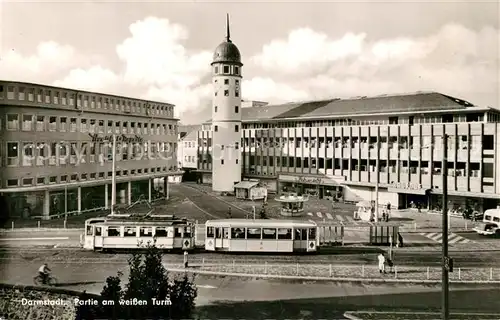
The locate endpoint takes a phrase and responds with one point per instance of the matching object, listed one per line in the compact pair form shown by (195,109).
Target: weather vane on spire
(228,34)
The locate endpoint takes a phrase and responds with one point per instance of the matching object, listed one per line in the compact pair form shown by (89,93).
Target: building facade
(187,152)
(226,116)
(56,147)
(342,148)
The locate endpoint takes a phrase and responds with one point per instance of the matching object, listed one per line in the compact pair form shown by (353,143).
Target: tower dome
(227,51)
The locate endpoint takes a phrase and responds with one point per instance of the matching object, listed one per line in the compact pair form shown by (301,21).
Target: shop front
(315,186)
(411,195)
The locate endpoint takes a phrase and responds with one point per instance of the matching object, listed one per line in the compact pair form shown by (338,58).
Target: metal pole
(376,186)
(65,201)
(113,176)
(445,306)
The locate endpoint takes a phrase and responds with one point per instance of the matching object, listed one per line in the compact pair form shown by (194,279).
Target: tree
(149,282)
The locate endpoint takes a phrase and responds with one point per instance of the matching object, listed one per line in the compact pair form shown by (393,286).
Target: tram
(263,235)
(128,232)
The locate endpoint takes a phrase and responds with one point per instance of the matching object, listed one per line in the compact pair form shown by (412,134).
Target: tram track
(401,258)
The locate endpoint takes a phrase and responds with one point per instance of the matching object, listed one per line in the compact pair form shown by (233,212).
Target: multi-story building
(333,147)
(56,147)
(187,151)
(226,115)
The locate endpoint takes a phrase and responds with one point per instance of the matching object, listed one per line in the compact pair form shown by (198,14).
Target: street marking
(33,239)
(206,286)
(318,214)
(329,216)
(310,214)
(452,238)
(339,217)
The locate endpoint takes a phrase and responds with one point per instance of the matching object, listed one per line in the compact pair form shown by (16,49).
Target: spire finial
(228,34)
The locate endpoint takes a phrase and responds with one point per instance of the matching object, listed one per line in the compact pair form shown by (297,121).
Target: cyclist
(44,272)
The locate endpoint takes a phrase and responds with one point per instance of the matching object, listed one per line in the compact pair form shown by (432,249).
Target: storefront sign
(119,138)
(407,186)
(309,180)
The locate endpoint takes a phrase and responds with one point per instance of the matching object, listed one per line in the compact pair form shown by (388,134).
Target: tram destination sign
(119,138)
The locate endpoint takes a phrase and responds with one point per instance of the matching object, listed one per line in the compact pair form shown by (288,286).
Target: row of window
(189,144)
(52,123)
(222,161)
(91,101)
(236,109)
(75,177)
(236,128)
(261,233)
(461,142)
(424,119)
(115,231)
(190,158)
(55,154)
(227,70)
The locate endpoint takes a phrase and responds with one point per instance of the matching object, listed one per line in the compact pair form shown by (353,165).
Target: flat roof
(263,223)
(7,82)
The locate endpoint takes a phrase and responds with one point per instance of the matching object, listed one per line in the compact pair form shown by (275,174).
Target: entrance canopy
(421,192)
(246,184)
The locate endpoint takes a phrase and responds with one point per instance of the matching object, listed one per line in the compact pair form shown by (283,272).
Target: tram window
(285,234)
(312,234)
(487,218)
(145,232)
(161,232)
(226,233)
(210,232)
(98,231)
(113,231)
(89,230)
(496,219)
(237,233)
(297,234)
(253,233)
(304,234)
(177,232)
(218,233)
(187,231)
(268,233)
(130,232)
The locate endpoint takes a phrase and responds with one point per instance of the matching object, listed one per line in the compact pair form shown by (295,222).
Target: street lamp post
(446,260)
(113,176)
(376,186)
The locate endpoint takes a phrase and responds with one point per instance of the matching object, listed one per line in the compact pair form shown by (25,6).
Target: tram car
(128,232)
(263,235)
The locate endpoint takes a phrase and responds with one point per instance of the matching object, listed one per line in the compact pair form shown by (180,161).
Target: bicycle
(51,280)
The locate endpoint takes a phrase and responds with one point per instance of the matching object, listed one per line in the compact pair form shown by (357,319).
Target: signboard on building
(406,186)
(310,180)
(119,138)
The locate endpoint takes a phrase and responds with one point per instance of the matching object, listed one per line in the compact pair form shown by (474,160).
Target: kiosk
(292,205)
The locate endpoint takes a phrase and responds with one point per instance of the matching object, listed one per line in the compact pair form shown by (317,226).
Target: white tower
(226,116)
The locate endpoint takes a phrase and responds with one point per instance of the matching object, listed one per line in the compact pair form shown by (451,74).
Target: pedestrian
(381,263)
(390,263)
(185,259)
(400,240)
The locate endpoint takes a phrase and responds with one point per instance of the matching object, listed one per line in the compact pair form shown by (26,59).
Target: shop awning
(421,192)
(246,185)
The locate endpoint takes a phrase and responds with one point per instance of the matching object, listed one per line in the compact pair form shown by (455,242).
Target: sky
(291,51)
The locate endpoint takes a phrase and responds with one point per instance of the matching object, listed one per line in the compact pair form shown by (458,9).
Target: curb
(327,279)
(349,316)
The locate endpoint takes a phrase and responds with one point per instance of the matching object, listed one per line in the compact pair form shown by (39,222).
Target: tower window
(222,147)
(216,128)
(237,93)
(226,69)
(216,70)
(226,93)
(236,128)
(215,108)
(236,161)
(237,70)
(226,81)
(236,109)
(221,161)
(215,93)
(236,81)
